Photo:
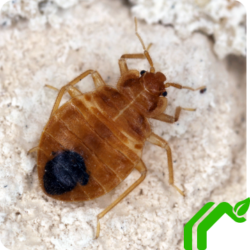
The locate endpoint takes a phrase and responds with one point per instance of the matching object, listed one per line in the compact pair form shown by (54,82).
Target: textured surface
(222,19)
(208,145)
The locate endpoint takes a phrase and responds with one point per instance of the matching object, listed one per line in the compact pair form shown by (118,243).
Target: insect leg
(143,171)
(51,87)
(98,81)
(146,53)
(33,150)
(123,64)
(178,86)
(58,99)
(169,118)
(157,140)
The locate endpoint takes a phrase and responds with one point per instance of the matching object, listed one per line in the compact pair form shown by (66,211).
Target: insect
(93,142)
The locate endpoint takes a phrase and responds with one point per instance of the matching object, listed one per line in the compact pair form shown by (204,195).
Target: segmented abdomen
(102,127)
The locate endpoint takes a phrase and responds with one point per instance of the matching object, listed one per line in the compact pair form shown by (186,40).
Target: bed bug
(92,142)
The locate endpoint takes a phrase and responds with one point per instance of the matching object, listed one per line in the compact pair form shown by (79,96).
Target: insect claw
(181,192)
(32,150)
(97,229)
(203,90)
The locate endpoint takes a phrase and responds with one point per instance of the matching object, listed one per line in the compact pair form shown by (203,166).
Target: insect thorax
(145,92)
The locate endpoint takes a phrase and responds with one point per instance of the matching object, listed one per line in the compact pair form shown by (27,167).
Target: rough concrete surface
(208,145)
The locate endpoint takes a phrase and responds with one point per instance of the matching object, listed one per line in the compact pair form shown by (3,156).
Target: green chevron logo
(235,213)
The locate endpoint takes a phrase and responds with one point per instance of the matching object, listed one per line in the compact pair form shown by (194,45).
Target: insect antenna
(146,53)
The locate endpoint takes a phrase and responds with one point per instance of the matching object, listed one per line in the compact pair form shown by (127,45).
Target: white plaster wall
(208,145)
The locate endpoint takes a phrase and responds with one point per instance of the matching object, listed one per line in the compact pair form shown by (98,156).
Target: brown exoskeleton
(93,142)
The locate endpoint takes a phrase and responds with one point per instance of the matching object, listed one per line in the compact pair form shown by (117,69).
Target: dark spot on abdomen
(63,173)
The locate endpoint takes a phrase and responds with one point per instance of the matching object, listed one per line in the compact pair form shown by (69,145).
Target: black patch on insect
(63,173)
(165,93)
(203,90)
(143,72)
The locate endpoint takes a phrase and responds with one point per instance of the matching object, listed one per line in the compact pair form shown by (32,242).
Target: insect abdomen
(123,112)
(108,161)
(133,87)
